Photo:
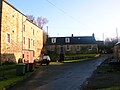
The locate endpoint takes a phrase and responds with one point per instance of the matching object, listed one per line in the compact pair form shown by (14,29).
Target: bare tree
(30,17)
(41,21)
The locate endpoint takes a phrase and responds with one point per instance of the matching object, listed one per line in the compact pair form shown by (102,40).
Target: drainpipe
(0,28)
(22,32)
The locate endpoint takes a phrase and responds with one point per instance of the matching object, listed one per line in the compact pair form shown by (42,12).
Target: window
(67,40)
(90,47)
(53,40)
(28,42)
(23,55)
(78,48)
(33,42)
(52,48)
(33,31)
(8,37)
(24,40)
(24,28)
(68,48)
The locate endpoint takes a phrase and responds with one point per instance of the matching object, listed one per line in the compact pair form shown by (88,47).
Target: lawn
(79,60)
(8,76)
(106,77)
(81,57)
(5,67)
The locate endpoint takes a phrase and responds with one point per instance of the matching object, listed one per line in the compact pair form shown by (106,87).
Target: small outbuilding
(116,51)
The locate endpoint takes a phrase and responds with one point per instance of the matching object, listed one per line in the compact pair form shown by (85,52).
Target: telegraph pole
(47,29)
(103,36)
(117,34)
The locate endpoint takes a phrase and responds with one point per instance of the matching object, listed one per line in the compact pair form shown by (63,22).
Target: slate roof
(73,40)
(118,43)
(100,42)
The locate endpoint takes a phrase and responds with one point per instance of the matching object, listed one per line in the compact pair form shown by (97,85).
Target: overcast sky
(78,17)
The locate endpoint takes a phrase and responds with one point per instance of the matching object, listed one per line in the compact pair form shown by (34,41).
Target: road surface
(67,76)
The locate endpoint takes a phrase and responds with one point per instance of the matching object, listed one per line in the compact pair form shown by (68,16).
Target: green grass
(55,63)
(10,78)
(111,88)
(7,82)
(79,60)
(5,67)
(80,56)
(11,81)
(106,77)
(73,55)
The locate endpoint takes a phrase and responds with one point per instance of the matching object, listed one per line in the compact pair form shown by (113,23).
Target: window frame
(67,40)
(33,43)
(52,48)
(67,47)
(78,47)
(28,42)
(24,27)
(8,37)
(53,40)
(23,40)
(33,31)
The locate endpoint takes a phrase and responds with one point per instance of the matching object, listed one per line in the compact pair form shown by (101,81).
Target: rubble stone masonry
(12,23)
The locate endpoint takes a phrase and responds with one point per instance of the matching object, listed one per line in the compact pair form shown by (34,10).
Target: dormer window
(53,40)
(67,40)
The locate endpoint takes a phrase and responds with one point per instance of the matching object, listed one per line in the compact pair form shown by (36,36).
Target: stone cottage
(73,44)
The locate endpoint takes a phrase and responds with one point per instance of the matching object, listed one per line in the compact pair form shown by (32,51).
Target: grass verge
(9,78)
(85,59)
(6,83)
(6,67)
(106,77)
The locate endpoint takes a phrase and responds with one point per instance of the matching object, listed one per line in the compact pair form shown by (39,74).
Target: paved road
(68,76)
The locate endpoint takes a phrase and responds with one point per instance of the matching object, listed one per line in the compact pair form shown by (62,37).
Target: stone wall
(35,35)
(12,23)
(83,48)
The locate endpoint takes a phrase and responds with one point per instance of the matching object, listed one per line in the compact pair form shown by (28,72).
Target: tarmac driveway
(67,76)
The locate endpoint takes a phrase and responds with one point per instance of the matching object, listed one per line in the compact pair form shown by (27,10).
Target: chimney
(72,35)
(93,35)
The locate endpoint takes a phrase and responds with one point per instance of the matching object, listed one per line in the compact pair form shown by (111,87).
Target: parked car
(45,60)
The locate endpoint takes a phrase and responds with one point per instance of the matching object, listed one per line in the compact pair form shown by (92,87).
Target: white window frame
(90,48)
(53,40)
(67,40)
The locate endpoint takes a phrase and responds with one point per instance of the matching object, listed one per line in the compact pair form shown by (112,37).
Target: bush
(8,63)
